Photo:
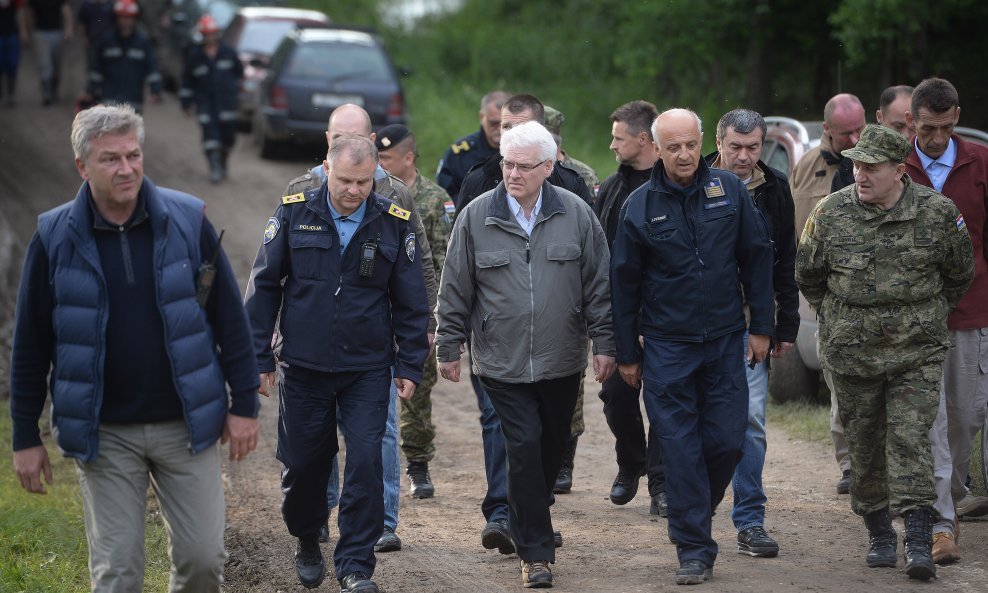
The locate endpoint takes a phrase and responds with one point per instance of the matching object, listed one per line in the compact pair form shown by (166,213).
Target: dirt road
(607,548)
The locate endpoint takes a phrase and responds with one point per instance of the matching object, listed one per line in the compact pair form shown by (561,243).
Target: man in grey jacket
(526,276)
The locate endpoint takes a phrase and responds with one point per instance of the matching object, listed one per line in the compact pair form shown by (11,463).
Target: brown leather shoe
(944,549)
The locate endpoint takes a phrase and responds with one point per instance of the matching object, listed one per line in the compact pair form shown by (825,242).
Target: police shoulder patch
(410,246)
(463,146)
(271,230)
(401,213)
(292,199)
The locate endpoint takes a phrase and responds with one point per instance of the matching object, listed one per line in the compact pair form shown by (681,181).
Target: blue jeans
(495,505)
(389,459)
(749,496)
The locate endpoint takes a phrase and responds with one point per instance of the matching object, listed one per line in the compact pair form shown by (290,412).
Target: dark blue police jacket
(333,319)
(681,258)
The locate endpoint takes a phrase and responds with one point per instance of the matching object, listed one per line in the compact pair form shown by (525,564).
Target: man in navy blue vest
(139,367)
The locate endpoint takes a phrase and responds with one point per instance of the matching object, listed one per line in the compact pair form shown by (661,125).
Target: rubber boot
(224,158)
(919,544)
(882,539)
(215,165)
(564,480)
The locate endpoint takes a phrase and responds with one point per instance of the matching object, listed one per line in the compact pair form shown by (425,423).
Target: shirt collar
(947,159)
(356,216)
(516,209)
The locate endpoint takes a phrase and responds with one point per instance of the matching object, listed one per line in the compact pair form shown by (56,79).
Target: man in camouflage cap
(398,153)
(883,262)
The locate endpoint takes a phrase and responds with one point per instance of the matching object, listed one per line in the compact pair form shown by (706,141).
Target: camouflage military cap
(554,120)
(389,136)
(879,144)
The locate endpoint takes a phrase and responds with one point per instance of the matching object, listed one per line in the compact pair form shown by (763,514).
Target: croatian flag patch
(960,222)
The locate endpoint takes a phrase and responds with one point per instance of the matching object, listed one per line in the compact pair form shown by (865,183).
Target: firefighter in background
(210,85)
(121,63)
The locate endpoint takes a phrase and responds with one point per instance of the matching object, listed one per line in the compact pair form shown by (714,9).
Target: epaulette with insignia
(462,146)
(401,213)
(292,199)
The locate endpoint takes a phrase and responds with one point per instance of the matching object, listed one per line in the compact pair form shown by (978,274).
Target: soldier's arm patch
(399,212)
(961,225)
(271,230)
(410,246)
(299,197)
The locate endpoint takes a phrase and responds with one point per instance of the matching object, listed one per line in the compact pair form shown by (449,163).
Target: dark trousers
(495,505)
(535,421)
(624,418)
(307,444)
(696,396)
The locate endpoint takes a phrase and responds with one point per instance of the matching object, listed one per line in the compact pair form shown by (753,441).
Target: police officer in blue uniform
(210,84)
(341,266)
(687,242)
(474,148)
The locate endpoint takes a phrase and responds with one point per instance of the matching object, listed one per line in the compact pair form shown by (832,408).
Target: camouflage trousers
(887,420)
(417,433)
(576,426)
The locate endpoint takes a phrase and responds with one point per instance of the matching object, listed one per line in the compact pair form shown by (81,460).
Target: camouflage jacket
(586,173)
(883,281)
(437,212)
(393,189)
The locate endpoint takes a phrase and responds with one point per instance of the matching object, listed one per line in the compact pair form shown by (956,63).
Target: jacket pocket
(492,259)
(384,260)
(563,252)
(310,254)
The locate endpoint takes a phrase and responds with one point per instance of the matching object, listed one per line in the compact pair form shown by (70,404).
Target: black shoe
(358,582)
(324,531)
(557,538)
(660,505)
(388,542)
(536,574)
(420,483)
(755,542)
(496,535)
(693,572)
(309,563)
(844,483)
(625,487)
(882,539)
(564,480)
(919,544)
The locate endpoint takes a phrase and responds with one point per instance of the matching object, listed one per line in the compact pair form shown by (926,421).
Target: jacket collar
(660,182)
(905,209)
(317,200)
(964,155)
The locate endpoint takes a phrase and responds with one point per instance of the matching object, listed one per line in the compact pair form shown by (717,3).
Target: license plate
(332,101)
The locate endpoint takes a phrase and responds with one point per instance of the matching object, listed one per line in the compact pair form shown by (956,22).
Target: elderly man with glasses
(527,275)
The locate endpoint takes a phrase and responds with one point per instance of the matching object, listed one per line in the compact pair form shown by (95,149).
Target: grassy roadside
(800,420)
(43,539)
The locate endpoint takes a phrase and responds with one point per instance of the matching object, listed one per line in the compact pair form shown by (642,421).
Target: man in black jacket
(740,134)
(485,176)
(634,150)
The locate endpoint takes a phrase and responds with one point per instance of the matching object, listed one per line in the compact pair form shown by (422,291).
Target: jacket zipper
(531,324)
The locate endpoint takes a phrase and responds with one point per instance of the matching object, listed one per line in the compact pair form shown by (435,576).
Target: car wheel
(791,380)
(267,148)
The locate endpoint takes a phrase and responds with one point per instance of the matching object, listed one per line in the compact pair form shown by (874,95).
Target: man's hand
(757,348)
(631,373)
(603,367)
(450,370)
(29,465)
(267,384)
(242,433)
(781,348)
(406,388)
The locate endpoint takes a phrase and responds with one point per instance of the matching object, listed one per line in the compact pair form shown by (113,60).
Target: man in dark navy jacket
(109,313)
(688,242)
(340,264)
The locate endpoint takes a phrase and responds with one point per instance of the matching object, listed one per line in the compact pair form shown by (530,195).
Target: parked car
(255,32)
(796,376)
(313,72)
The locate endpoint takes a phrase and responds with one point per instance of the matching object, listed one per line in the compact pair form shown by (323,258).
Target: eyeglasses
(508,166)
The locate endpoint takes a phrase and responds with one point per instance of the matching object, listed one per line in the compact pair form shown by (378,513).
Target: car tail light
(278,98)
(396,106)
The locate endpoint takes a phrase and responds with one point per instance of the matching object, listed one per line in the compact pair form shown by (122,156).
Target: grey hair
(528,134)
(655,124)
(90,124)
(497,97)
(744,121)
(357,147)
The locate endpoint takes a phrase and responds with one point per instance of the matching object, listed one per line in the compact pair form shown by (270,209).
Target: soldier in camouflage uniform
(883,262)
(554,121)
(398,152)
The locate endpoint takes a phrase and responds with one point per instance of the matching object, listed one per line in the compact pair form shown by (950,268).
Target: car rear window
(339,61)
(262,37)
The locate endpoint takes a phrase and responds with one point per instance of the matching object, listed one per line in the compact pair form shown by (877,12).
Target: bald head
(348,119)
(843,120)
(679,137)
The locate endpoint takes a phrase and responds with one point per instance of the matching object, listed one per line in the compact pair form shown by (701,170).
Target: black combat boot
(919,544)
(564,480)
(215,165)
(882,539)
(224,159)
(420,482)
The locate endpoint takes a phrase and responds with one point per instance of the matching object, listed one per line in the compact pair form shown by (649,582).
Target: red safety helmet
(207,24)
(125,8)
